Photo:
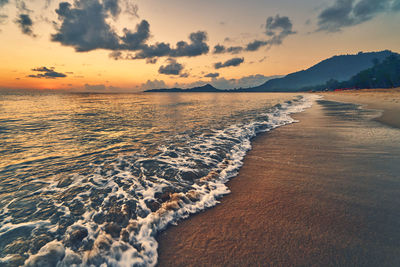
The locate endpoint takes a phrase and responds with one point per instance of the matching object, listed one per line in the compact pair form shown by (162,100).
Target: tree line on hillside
(385,74)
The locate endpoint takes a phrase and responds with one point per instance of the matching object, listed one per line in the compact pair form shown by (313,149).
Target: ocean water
(90,179)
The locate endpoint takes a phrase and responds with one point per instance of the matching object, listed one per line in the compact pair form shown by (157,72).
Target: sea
(91,179)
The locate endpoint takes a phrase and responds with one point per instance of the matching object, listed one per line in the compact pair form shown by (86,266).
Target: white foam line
(209,192)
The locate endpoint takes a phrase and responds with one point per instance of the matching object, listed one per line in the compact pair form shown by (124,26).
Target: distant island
(362,70)
(208,88)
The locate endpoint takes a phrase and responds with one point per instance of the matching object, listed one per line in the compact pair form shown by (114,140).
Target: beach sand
(321,192)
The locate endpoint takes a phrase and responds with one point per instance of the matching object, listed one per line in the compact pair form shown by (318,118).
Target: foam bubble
(49,255)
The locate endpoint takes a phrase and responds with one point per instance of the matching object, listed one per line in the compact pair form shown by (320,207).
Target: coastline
(387,100)
(307,194)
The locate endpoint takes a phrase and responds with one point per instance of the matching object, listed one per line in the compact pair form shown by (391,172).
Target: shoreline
(281,212)
(388,102)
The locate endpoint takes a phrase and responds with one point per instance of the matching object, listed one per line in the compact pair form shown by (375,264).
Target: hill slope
(385,74)
(340,68)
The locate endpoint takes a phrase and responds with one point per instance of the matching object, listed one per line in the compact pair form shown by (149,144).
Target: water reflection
(80,170)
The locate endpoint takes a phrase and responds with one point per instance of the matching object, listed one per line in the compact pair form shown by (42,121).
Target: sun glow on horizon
(271,37)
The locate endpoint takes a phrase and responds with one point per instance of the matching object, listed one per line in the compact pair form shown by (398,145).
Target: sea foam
(111,217)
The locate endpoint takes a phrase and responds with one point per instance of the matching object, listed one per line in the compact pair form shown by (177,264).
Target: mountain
(333,72)
(340,68)
(385,74)
(206,88)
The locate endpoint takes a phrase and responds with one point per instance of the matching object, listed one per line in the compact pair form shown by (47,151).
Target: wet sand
(321,192)
(384,99)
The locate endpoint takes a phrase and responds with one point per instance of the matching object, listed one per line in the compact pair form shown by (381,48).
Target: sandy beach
(321,192)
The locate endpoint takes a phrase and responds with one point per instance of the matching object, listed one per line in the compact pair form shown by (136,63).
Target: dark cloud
(229,63)
(172,68)
(112,6)
(396,5)
(367,9)
(25,23)
(255,45)
(151,51)
(135,40)
(219,49)
(196,47)
(212,75)
(47,73)
(346,13)
(84,26)
(278,24)
(234,49)
(337,16)
(278,28)
(23,20)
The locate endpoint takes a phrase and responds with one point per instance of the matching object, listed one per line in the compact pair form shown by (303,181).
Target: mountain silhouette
(338,68)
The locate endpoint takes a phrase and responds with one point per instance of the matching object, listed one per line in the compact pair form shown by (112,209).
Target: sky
(132,45)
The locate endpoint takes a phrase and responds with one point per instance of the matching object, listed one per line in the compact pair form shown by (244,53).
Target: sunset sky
(117,45)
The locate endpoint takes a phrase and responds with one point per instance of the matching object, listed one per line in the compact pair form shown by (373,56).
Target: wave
(113,215)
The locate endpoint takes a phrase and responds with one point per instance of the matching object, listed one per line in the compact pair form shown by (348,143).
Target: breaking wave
(112,215)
